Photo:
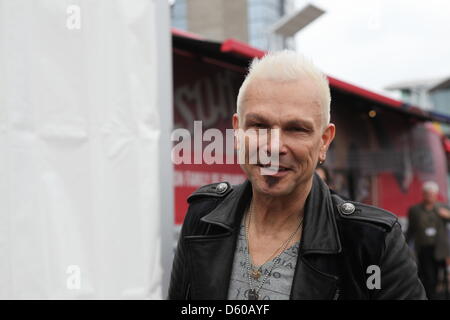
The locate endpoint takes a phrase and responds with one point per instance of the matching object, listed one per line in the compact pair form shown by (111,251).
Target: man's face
(429,197)
(293,108)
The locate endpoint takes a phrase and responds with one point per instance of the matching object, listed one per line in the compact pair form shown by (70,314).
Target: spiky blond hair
(287,65)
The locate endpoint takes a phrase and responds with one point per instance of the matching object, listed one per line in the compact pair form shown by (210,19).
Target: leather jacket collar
(319,229)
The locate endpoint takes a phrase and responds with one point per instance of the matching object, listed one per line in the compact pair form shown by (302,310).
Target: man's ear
(327,137)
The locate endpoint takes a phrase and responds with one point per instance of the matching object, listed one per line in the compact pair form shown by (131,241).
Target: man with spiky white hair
(427,230)
(282,234)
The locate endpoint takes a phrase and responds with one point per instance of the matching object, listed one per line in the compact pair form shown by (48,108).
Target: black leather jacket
(336,248)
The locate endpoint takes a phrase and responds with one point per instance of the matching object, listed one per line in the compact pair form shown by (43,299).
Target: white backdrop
(80,125)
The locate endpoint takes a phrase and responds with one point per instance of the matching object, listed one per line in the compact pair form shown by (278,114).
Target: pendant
(256,274)
(252,295)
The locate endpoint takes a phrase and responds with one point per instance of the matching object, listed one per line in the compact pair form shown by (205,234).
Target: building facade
(248,21)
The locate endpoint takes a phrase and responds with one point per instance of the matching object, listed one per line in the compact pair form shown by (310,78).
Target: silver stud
(347,208)
(221,187)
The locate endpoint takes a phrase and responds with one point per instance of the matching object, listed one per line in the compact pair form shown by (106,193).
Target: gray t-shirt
(277,285)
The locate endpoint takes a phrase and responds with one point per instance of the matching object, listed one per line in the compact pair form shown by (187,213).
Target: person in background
(427,230)
(324,173)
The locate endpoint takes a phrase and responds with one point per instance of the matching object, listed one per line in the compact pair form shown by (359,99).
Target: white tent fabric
(79,130)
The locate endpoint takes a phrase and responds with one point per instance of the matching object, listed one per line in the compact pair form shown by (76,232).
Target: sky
(374,43)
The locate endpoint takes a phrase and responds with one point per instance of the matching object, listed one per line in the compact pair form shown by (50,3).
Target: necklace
(253,293)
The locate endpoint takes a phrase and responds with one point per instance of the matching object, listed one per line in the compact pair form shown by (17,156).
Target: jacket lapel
(316,272)
(211,256)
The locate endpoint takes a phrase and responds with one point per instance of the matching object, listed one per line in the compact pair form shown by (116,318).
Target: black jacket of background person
(335,249)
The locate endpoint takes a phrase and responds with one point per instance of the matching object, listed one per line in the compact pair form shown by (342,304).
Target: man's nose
(274,142)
